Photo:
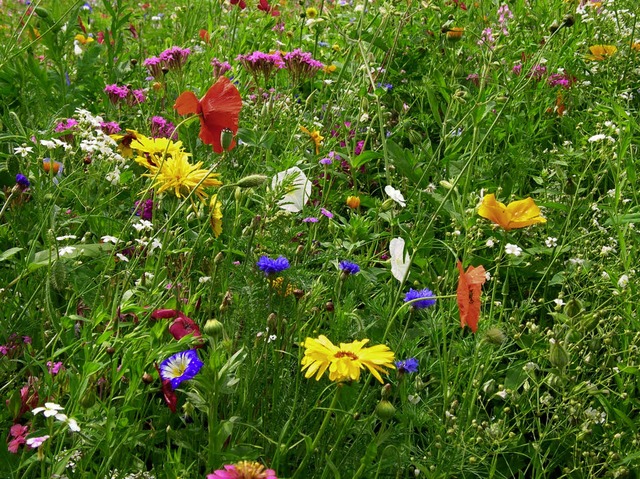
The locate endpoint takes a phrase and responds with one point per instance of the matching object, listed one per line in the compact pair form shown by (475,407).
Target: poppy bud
(147,378)
(226,138)
(568,20)
(298,293)
(110,350)
(213,328)
(252,181)
(134,62)
(329,306)
(385,410)
(386,391)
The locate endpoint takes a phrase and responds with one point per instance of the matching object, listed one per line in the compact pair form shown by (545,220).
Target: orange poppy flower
(601,52)
(469,288)
(519,214)
(218,110)
(353,202)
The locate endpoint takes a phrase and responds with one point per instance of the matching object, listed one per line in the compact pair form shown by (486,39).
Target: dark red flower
(183,326)
(265,7)
(169,395)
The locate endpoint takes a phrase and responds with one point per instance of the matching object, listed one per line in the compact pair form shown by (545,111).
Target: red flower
(265,7)
(18,432)
(219,109)
(168,393)
(241,3)
(183,326)
(164,314)
(469,288)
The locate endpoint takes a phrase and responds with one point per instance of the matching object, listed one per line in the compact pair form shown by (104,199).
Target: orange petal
(186,104)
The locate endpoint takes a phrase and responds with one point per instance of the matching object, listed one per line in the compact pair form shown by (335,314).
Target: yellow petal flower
(215,218)
(600,52)
(315,136)
(518,214)
(345,362)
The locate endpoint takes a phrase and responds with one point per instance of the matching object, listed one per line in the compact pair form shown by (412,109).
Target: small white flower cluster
(93,141)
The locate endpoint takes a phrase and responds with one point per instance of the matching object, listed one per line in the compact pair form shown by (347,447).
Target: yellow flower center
(349,354)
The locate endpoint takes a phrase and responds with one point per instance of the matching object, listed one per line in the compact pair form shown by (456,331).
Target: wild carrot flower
(243,470)
(518,214)
(345,361)
(180,367)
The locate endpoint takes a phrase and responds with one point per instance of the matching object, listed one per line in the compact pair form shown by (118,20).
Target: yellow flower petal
(517,214)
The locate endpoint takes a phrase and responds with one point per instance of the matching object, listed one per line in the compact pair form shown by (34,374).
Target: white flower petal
(299,192)
(400,261)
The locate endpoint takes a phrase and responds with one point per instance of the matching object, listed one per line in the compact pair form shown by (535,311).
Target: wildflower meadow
(327,239)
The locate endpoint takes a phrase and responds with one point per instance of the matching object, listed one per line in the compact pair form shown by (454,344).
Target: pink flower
(36,442)
(18,433)
(243,470)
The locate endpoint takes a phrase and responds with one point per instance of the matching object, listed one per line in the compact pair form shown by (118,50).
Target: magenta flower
(243,470)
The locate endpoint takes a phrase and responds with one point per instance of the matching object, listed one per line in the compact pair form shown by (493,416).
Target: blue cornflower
(348,267)
(407,366)
(272,266)
(180,367)
(424,295)
(22,181)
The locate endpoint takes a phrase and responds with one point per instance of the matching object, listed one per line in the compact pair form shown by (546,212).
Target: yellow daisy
(177,174)
(345,361)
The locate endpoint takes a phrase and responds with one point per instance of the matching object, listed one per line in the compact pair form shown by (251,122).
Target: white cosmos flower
(298,192)
(395,195)
(400,260)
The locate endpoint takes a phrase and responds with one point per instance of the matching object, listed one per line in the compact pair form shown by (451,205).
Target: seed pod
(226,138)
(385,410)
(558,355)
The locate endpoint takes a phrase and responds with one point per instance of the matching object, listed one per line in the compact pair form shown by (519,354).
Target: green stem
(323,426)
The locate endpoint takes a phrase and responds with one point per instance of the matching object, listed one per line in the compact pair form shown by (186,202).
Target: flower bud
(238,194)
(226,138)
(329,306)
(385,410)
(558,355)
(272,322)
(568,20)
(495,336)
(147,378)
(213,328)
(573,307)
(387,204)
(386,391)
(252,181)
(353,202)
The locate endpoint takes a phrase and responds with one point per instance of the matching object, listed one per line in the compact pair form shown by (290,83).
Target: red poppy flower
(469,288)
(218,110)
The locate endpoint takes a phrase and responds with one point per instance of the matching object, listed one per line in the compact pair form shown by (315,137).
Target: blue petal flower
(181,367)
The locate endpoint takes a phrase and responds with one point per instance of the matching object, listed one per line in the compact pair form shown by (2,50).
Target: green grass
(548,385)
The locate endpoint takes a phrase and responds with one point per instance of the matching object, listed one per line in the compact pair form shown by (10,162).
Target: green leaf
(9,253)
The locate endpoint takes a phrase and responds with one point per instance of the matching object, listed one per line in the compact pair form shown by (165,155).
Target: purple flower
(54,368)
(144,209)
(154,66)
(517,69)
(359,148)
(425,297)
(175,57)
(272,266)
(65,125)
(310,219)
(326,161)
(180,367)
(22,181)
(326,212)
(301,65)
(161,128)
(109,127)
(409,365)
(116,93)
(219,68)
(348,267)
(537,72)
